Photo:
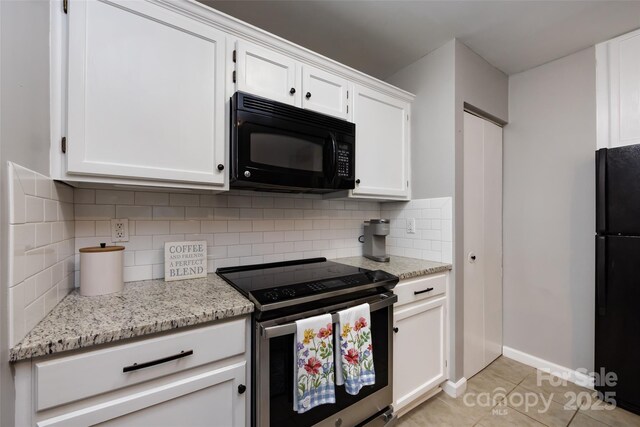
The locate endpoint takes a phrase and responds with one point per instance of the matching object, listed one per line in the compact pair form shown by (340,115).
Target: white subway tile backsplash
(168,212)
(84,196)
(226,213)
(239,250)
(273,236)
(103,228)
(134,212)
(149,257)
(434,230)
(138,272)
(43,234)
(114,197)
(217,201)
(180,227)
(255,237)
(151,228)
(37,249)
(51,210)
(199,213)
(213,226)
(176,199)
(239,201)
(142,198)
(34,209)
(263,225)
(303,203)
(226,239)
(94,212)
(239,228)
(283,203)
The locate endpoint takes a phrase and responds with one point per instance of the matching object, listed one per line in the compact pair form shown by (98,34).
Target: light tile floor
(508,393)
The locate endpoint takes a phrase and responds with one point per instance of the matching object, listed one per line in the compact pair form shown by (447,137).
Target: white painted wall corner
(455,389)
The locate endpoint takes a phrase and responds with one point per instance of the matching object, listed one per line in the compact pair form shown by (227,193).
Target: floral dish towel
(314,363)
(355,364)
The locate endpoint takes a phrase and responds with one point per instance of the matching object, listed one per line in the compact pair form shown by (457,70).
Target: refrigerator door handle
(601,275)
(601,190)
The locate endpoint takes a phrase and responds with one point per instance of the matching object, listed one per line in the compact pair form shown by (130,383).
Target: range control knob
(272,295)
(247,174)
(289,292)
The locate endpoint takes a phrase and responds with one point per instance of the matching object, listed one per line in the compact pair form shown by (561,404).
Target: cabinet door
(382,144)
(618,91)
(419,350)
(145,93)
(266,73)
(209,398)
(324,92)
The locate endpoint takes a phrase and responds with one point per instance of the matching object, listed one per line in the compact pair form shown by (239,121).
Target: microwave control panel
(344,160)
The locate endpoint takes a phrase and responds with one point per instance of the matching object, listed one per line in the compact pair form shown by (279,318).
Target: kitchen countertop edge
(403,267)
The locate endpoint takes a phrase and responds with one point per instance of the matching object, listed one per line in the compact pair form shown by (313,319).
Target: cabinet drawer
(414,289)
(84,375)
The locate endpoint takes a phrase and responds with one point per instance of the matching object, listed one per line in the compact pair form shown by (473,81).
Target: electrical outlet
(411,226)
(119,230)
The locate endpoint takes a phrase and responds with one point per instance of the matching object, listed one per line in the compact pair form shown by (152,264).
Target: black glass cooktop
(297,281)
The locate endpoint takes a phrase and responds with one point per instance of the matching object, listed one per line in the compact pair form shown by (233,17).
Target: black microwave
(281,148)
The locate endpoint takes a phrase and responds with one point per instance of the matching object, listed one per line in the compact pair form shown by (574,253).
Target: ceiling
(382,37)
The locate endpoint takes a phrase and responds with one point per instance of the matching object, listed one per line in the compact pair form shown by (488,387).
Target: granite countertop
(143,308)
(404,268)
(151,306)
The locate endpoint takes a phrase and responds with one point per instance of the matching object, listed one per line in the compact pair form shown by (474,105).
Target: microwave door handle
(334,154)
(290,328)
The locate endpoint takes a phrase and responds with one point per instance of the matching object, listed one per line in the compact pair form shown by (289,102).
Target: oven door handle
(290,328)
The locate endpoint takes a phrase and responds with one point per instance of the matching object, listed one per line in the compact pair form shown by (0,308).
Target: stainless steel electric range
(284,292)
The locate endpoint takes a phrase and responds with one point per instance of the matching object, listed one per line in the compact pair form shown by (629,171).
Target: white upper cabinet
(145,93)
(382,144)
(324,92)
(618,91)
(266,73)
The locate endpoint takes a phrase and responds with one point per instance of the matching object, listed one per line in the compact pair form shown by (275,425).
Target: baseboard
(455,389)
(576,377)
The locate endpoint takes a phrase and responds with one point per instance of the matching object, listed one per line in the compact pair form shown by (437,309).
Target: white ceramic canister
(101,270)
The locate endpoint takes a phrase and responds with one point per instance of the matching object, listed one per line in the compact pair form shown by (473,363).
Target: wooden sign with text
(185,260)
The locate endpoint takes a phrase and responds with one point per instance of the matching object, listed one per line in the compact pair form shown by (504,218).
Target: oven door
(273,151)
(274,373)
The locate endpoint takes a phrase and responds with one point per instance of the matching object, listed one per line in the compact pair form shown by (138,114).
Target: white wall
(549,218)
(484,87)
(431,79)
(24,132)
(443,81)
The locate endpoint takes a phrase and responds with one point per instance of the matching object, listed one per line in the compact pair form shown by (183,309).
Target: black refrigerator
(617,335)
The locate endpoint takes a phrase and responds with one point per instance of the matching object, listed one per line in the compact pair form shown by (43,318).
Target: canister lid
(102,248)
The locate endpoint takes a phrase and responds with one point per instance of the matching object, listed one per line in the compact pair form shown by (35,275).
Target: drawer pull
(137,366)
(422,292)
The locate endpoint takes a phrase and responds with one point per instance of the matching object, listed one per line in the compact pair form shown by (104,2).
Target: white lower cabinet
(420,340)
(205,387)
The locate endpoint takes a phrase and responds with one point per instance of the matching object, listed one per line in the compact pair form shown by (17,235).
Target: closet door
(482,243)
